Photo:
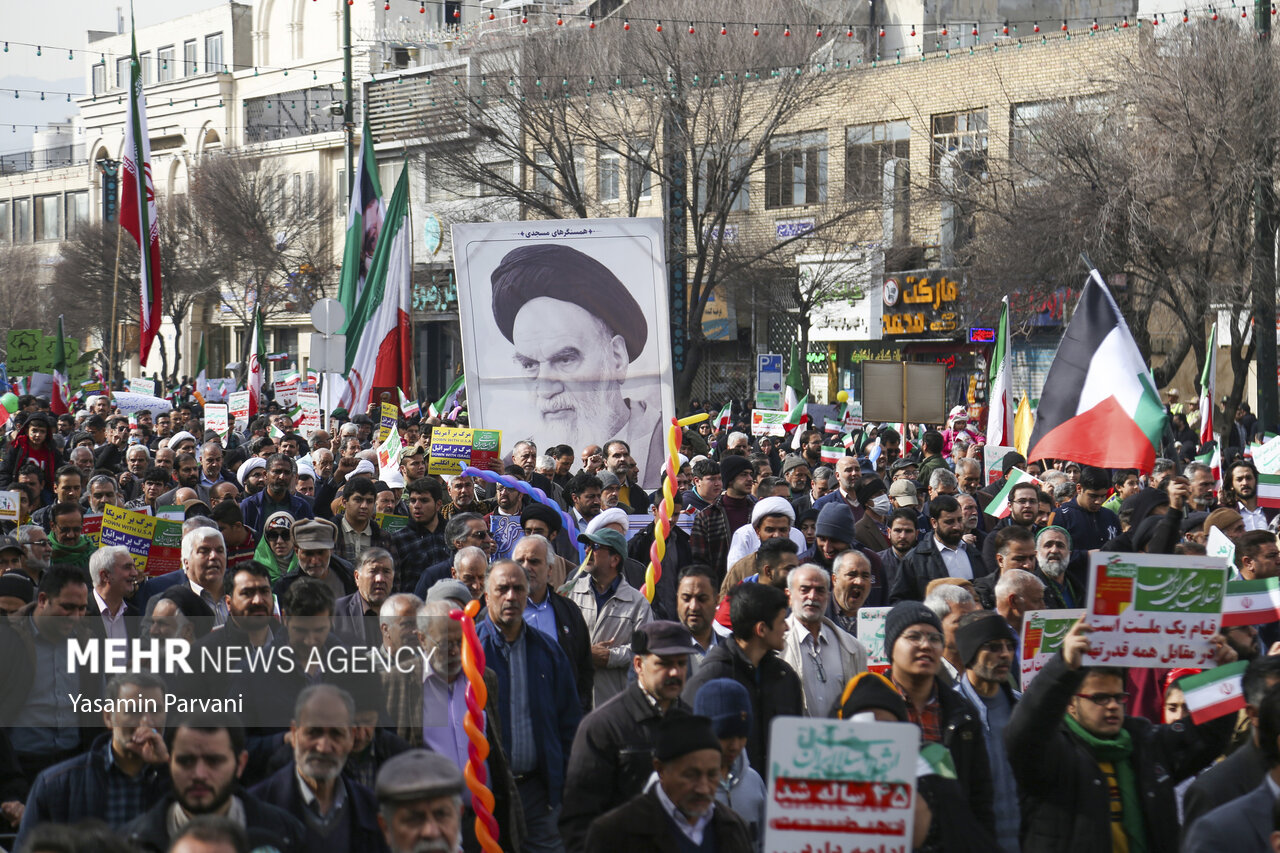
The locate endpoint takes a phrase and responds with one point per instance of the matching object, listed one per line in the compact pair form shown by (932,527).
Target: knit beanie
(731,467)
(902,616)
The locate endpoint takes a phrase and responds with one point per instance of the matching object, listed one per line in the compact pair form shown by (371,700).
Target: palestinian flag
(999,506)
(1215,692)
(1269,490)
(379,331)
(1099,406)
(832,455)
(1000,428)
(365,214)
(138,204)
(1251,602)
(726,414)
(61,392)
(439,407)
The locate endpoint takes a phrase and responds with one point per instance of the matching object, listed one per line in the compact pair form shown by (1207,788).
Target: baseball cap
(904,491)
(606,538)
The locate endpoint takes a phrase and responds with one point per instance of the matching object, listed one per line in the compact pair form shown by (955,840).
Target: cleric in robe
(576,330)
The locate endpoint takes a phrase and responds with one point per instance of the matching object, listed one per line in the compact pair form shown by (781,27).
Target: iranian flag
(1000,386)
(1215,692)
(831,455)
(1100,406)
(138,205)
(408,408)
(1255,602)
(257,362)
(61,393)
(1214,460)
(1208,386)
(1269,490)
(202,373)
(379,332)
(722,419)
(999,506)
(365,214)
(794,383)
(439,407)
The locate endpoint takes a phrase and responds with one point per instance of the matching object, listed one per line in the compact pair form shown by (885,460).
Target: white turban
(249,465)
(772,506)
(609,516)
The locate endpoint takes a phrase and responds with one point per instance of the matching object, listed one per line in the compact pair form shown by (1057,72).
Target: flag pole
(115,298)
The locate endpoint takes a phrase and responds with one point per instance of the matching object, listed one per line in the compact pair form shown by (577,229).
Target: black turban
(559,272)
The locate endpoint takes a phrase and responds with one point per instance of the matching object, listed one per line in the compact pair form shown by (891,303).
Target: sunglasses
(279,534)
(1105,698)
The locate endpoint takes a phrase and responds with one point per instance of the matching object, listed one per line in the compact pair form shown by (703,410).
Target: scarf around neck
(1118,752)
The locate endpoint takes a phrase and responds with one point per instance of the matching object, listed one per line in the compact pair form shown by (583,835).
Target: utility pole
(348,108)
(1263,265)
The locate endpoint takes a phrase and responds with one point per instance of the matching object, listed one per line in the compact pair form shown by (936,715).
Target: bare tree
(85,285)
(1153,178)
(22,298)
(694,117)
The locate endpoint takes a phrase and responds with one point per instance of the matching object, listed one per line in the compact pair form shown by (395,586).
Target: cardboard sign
(155,543)
(142,385)
(311,417)
(129,403)
(32,351)
(389,454)
(454,448)
(871,633)
(285,386)
(1220,546)
(1154,610)
(1042,634)
(391,523)
(768,422)
(845,785)
(486,447)
(93,528)
(1266,457)
(992,457)
(390,414)
(238,405)
(9,508)
(217,418)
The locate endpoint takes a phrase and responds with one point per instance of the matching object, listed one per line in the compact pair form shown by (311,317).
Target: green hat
(606,538)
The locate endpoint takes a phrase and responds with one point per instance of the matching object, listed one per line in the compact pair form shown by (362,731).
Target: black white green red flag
(1099,405)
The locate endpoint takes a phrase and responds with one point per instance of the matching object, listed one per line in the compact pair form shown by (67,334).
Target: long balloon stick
(475,774)
(666,510)
(533,492)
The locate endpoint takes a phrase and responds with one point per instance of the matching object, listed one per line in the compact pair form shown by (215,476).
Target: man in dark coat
(337,813)
(670,816)
(610,760)
(940,555)
(751,657)
(1071,745)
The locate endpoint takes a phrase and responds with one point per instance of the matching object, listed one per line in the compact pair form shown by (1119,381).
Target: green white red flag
(138,204)
(999,506)
(257,363)
(1269,490)
(1214,692)
(408,408)
(1251,602)
(1208,382)
(1000,386)
(365,215)
(61,393)
(441,406)
(723,418)
(379,332)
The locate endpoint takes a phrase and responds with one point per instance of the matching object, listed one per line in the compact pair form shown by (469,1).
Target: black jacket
(1234,776)
(267,826)
(677,555)
(348,621)
(574,638)
(774,688)
(641,826)
(963,736)
(611,760)
(280,789)
(922,564)
(336,564)
(1064,795)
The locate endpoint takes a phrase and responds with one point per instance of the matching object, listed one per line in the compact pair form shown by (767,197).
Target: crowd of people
(614,722)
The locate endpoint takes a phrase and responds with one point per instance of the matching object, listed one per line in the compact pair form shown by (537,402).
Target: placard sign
(840,785)
(1154,610)
(238,404)
(768,422)
(871,633)
(216,418)
(155,543)
(1042,634)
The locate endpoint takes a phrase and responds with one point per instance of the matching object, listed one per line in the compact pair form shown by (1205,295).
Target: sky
(58,26)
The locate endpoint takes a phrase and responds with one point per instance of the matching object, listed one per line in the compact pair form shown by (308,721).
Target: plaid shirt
(929,720)
(479,507)
(126,795)
(414,549)
(709,537)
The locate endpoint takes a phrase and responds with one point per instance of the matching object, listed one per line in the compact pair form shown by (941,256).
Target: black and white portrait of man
(565,339)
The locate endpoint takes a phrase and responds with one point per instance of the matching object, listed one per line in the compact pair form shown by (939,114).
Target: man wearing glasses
(1090,777)
(987,645)
(822,654)
(1024,506)
(913,642)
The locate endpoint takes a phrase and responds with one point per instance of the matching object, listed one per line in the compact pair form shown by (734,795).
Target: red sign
(982,336)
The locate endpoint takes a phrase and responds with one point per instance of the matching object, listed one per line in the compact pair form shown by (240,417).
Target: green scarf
(264,555)
(1117,752)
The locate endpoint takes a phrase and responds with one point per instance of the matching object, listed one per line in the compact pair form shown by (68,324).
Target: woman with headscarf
(33,443)
(275,550)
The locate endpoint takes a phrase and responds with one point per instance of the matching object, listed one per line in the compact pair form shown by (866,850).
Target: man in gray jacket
(612,608)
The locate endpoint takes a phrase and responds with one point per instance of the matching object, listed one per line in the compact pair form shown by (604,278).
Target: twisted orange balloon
(666,509)
(477,697)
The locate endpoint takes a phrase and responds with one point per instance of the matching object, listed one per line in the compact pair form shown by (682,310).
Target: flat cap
(792,462)
(417,774)
(315,534)
(662,638)
(561,272)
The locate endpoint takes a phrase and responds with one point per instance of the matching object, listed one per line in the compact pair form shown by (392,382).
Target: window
(6,222)
(961,132)
(48,217)
(144,66)
(77,212)
(715,180)
(607,176)
(22,220)
(639,175)
(548,173)
(188,57)
(213,53)
(295,196)
(122,73)
(99,78)
(286,340)
(795,170)
(866,149)
(501,169)
(164,67)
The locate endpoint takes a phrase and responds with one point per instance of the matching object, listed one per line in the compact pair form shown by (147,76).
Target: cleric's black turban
(559,272)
